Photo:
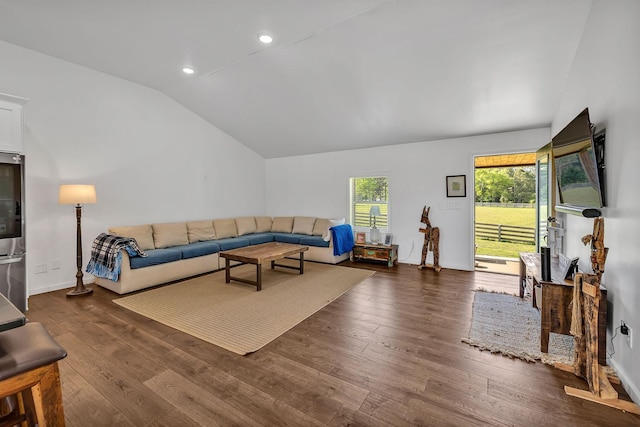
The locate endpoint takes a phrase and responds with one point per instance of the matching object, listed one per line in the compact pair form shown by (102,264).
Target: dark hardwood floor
(388,352)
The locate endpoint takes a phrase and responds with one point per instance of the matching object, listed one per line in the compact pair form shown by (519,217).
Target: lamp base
(374,235)
(78,292)
(80,289)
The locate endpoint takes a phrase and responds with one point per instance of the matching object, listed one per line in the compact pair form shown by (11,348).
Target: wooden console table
(388,254)
(553,300)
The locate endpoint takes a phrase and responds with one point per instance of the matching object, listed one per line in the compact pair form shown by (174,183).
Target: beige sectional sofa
(179,250)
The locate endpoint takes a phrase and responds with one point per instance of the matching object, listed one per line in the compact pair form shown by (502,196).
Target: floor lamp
(78,195)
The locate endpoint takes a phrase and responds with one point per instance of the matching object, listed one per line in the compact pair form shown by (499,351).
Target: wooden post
(586,348)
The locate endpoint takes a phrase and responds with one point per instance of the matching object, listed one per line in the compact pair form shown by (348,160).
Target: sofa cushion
(282,224)
(263,224)
(155,257)
(200,231)
(257,238)
(317,241)
(142,233)
(288,237)
(170,234)
(225,228)
(320,227)
(246,225)
(232,243)
(303,224)
(197,249)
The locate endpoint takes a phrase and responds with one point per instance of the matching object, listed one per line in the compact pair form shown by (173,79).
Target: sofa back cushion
(246,225)
(200,231)
(320,227)
(142,233)
(282,224)
(263,224)
(303,224)
(170,234)
(225,228)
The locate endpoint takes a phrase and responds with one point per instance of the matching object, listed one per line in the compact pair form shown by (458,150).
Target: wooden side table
(373,252)
(553,299)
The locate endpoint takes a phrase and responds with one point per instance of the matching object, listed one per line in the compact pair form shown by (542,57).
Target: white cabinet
(11,123)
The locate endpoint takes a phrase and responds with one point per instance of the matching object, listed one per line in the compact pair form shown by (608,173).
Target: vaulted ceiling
(340,74)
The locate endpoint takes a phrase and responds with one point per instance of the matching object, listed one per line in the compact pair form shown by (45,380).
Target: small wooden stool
(28,366)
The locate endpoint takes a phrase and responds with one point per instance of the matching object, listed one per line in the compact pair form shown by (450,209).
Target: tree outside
(373,189)
(506,185)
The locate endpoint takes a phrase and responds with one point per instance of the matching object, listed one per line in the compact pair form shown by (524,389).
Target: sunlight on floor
(489,264)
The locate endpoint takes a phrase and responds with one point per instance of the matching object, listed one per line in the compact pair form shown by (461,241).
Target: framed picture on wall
(457,186)
(361,237)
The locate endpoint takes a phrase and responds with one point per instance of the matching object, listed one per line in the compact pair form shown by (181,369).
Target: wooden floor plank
(84,405)
(388,352)
(195,403)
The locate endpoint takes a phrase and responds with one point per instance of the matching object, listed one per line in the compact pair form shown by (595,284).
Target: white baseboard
(631,388)
(59,286)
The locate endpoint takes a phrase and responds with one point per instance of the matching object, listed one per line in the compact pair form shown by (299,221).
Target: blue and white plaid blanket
(106,258)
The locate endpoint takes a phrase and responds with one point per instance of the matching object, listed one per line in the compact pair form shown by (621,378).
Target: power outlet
(55,264)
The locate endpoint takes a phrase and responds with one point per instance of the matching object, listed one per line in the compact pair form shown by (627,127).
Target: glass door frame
(545,194)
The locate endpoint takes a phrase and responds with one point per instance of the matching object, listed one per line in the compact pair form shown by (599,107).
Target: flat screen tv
(578,156)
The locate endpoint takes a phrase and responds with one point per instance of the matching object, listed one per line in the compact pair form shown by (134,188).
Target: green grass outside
(521,217)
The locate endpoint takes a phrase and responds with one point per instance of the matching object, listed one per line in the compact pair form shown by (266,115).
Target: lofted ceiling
(340,74)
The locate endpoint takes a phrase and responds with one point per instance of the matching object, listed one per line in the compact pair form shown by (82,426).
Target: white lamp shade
(77,195)
(375,211)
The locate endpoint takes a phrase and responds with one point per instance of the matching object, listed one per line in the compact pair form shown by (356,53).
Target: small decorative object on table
(569,268)
(388,239)
(375,233)
(361,237)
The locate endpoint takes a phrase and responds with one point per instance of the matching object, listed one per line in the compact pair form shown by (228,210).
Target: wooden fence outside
(505,233)
(362,218)
(506,205)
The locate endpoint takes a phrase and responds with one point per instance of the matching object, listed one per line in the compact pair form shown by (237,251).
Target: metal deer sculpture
(431,241)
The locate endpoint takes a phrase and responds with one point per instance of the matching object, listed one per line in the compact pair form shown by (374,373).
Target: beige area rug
(235,316)
(510,325)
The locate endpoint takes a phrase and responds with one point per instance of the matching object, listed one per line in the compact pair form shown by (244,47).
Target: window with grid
(369,202)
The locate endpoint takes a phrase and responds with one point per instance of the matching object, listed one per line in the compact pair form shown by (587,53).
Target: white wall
(606,78)
(150,159)
(319,185)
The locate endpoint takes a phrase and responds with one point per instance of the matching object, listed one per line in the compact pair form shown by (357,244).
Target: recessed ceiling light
(188,70)
(265,38)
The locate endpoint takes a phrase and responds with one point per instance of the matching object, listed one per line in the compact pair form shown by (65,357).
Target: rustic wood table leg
(259,276)
(227,270)
(301,262)
(545,320)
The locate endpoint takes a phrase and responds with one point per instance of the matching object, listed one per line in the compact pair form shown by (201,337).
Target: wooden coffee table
(260,254)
